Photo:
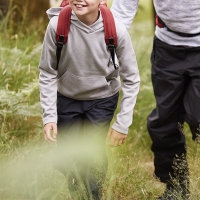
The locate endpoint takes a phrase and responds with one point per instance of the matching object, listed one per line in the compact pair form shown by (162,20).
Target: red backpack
(63,28)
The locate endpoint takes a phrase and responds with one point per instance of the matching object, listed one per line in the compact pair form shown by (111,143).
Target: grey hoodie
(86,71)
(180,15)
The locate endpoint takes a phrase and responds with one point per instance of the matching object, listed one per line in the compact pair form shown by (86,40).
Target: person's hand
(115,138)
(50,132)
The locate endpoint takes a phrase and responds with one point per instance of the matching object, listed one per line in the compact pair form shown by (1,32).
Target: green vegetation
(25,158)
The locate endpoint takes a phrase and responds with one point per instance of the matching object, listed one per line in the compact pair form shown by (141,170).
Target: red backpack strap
(109,24)
(109,30)
(62,30)
(63,23)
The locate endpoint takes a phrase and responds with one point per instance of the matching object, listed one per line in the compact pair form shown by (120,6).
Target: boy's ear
(103,2)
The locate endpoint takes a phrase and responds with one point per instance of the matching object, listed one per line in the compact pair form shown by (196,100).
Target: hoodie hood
(51,12)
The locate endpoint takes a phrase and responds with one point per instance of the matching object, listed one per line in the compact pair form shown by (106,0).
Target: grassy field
(25,158)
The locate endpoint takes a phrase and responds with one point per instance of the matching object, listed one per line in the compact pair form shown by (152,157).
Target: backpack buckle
(60,41)
(111,44)
(59,45)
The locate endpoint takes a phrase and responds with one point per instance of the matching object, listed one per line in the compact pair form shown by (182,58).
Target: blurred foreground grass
(25,159)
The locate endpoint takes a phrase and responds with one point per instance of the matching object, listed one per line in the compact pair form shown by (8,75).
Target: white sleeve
(124,11)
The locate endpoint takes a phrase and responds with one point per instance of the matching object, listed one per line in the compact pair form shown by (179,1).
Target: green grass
(25,158)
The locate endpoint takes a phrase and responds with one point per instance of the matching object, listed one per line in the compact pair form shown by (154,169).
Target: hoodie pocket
(82,87)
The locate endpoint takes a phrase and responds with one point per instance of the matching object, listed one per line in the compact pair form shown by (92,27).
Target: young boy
(82,95)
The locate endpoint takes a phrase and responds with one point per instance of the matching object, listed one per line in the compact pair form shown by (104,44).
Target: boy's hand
(115,138)
(48,128)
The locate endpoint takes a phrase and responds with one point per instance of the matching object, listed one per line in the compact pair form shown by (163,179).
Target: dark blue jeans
(81,150)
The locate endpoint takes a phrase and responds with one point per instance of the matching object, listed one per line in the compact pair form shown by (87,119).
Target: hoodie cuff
(120,129)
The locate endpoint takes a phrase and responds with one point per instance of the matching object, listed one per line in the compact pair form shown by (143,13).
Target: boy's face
(86,8)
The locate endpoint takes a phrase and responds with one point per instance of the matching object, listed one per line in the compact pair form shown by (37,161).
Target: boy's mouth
(79,5)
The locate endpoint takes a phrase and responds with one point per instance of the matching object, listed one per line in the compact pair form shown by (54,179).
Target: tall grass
(20,111)
(25,160)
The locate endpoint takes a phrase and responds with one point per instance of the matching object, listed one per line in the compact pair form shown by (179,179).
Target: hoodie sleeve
(48,76)
(130,80)
(124,11)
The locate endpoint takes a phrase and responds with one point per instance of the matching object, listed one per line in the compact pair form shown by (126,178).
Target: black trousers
(81,150)
(176,84)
